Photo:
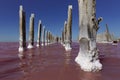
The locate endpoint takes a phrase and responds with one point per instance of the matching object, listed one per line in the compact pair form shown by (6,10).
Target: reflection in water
(21,55)
(24,69)
(89,75)
(25,66)
(30,64)
(67,57)
(70,72)
(66,66)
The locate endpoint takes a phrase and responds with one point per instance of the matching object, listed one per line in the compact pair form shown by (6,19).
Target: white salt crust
(42,44)
(37,45)
(68,47)
(30,46)
(86,64)
(21,49)
(70,6)
(21,7)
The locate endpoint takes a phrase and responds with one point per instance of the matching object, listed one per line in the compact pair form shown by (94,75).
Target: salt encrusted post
(39,33)
(65,32)
(88,55)
(47,37)
(31,32)
(69,31)
(50,37)
(62,38)
(108,36)
(43,36)
(22,28)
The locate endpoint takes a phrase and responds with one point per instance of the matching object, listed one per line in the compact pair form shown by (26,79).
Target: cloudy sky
(53,13)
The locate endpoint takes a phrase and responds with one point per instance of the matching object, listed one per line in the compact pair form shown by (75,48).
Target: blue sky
(53,13)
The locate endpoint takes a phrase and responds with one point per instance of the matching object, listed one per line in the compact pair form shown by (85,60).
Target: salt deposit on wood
(39,33)
(43,36)
(22,28)
(31,32)
(69,29)
(88,55)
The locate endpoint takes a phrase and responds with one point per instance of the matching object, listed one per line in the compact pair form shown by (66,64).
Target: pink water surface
(54,63)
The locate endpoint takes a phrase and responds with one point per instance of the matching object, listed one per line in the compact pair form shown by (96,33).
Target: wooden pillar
(31,32)
(43,36)
(39,33)
(50,37)
(47,37)
(65,32)
(88,55)
(108,36)
(69,29)
(22,30)
(62,37)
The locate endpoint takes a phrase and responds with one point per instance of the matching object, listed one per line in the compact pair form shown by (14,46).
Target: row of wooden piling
(44,37)
(88,53)
(67,31)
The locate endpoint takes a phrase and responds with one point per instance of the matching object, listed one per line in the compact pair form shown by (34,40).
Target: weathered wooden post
(31,32)
(60,39)
(43,36)
(39,33)
(22,28)
(108,36)
(50,37)
(88,55)
(62,42)
(53,40)
(69,29)
(57,39)
(65,32)
(47,37)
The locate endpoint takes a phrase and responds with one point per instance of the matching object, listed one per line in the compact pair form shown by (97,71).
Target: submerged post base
(21,49)
(68,47)
(38,45)
(42,44)
(87,63)
(63,44)
(46,44)
(21,55)
(30,46)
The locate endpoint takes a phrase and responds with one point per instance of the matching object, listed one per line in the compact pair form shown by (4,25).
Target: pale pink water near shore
(54,63)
